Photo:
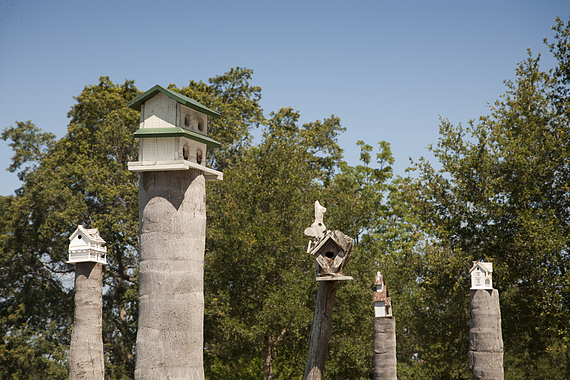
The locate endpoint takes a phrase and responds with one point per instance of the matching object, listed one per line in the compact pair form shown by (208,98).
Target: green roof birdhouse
(173,133)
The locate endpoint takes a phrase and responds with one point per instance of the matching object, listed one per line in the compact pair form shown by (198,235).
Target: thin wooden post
(321,330)
(332,250)
(485,354)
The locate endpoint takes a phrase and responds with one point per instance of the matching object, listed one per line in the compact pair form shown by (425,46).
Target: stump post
(485,356)
(332,251)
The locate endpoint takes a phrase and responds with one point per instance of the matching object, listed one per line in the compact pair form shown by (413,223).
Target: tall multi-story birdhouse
(332,249)
(382,303)
(481,275)
(87,245)
(173,133)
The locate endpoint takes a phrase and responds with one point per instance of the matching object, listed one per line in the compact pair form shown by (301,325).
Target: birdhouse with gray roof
(86,245)
(173,133)
(481,275)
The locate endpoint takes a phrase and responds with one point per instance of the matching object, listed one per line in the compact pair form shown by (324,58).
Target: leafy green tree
(501,196)
(258,277)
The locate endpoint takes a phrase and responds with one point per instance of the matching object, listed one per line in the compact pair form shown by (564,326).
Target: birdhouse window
(199,156)
(487,282)
(186,152)
(201,125)
(187,121)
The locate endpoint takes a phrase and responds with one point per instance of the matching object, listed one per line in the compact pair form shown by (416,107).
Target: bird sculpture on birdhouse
(332,250)
(173,133)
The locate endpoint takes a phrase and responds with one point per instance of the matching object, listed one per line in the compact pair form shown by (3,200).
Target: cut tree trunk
(86,360)
(385,348)
(321,330)
(172,212)
(485,355)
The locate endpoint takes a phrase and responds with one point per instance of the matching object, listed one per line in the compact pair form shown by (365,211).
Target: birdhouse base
(333,278)
(164,166)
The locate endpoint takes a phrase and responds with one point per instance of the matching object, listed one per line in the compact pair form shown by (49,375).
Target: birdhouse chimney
(86,245)
(173,133)
(382,303)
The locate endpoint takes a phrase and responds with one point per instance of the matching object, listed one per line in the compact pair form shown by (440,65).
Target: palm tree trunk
(385,348)
(485,354)
(172,211)
(86,360)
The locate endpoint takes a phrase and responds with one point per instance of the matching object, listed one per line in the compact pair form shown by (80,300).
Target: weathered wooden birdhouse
(173,133)
(481,275)
(332,249)
(382,303)
(86,245)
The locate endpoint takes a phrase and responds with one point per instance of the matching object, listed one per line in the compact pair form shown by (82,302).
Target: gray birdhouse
(173,133)
(86,245)
(331,249)
(382,303)
(481,275)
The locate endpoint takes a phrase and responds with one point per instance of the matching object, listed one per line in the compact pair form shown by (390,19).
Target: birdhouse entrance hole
(329,254)
(200,125)
(186,152)
(187,121)
(199,156)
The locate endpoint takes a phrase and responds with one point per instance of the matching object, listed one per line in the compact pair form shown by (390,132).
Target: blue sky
(386,68)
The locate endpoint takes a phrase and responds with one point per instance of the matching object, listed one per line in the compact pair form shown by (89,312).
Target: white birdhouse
(481,275)
(86,245)
(382,303)
(173,133)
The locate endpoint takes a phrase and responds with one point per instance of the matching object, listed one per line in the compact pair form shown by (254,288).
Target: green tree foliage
(259,279)
(501,196)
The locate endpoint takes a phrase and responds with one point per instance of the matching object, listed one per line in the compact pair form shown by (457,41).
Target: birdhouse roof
(90,233)
(184,100)
(486,267)
(323,242)
(379,279)
(176,132)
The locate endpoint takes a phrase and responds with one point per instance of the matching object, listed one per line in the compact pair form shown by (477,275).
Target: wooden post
(332,251)
(172,207)
(485,354)
(321,331)
(86,360)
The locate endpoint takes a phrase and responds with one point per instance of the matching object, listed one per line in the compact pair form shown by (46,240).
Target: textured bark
(485,355)
(385,348)
(172,212)
(86,360)
(321,330)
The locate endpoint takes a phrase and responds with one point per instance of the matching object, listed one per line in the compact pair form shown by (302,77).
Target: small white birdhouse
(382,303)
(86,245)
(173,133)
(481,275)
